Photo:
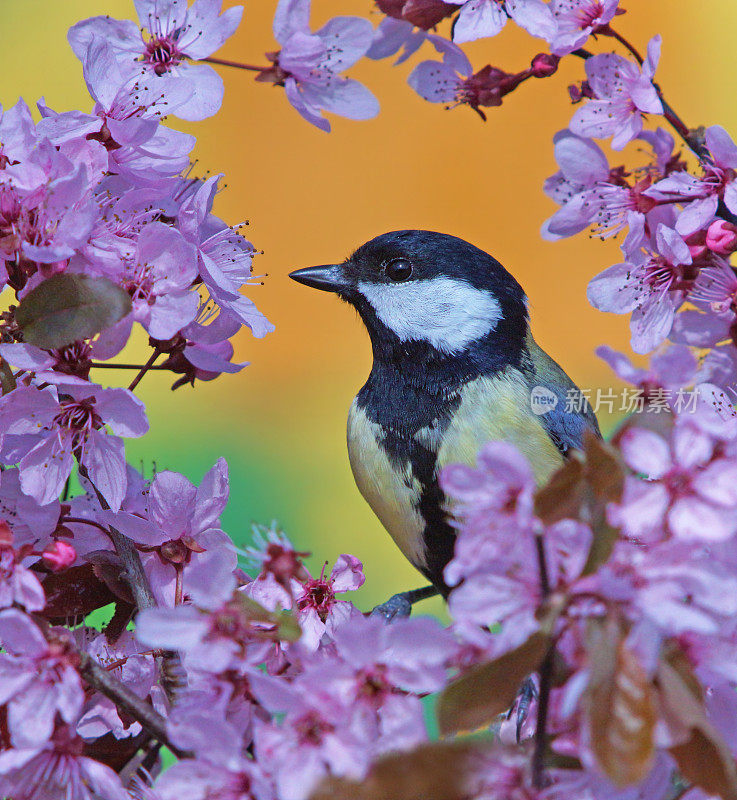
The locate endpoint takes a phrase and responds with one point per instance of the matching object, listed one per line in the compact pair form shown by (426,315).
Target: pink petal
(646,452)
(19,635)
(347,574)
(44,470)
(692,519)
(122,411)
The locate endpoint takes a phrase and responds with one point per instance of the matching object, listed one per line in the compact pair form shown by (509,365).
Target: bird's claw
(525,696)
(396,607)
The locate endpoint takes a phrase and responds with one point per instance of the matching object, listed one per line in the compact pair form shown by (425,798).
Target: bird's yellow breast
(490,408)
(497,408)
(391,490)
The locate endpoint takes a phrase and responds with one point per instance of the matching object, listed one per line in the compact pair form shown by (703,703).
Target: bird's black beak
(329,278)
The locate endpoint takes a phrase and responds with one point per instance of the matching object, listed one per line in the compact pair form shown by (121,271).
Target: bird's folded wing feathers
(567,421)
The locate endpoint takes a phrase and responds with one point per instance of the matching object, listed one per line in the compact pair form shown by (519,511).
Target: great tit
(454,366)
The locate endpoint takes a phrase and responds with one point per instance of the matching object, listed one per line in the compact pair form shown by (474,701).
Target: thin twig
(237,64)
(133,572)
(144,369)
(546,671)
(609,31)
(126,700)
(102,365)
(83,521)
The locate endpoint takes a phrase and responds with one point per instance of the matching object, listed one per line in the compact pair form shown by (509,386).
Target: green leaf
(283,623)
(485,691)
(68,307)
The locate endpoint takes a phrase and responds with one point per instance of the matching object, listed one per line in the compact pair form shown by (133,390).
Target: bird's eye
(398,270)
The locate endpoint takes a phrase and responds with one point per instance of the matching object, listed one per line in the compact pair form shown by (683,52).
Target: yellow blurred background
(312,197)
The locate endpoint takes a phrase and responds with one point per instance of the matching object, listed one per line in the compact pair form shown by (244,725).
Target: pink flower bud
(579,91)
(544,64)
(59,556)
(696,244)
(721,238)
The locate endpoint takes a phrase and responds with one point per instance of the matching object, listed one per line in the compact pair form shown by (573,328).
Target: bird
(455,365)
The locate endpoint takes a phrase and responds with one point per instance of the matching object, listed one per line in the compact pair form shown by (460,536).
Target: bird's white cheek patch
(446,312)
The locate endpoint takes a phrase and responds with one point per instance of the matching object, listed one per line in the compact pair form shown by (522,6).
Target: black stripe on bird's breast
(420,451)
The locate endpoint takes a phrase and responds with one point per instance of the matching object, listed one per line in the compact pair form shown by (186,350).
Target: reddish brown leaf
(620,706)
(602,544)
(108,568)
(563,494)
(485,691)
(7,379)
(704,759)
(75,592)
(437,771)
(604,471)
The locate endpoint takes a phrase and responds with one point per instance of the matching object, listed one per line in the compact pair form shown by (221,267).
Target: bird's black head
(422,293)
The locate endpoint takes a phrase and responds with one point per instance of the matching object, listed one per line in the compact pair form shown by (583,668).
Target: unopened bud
(696,244)
(579,91)
(59,556)
(544,64)
(721,238)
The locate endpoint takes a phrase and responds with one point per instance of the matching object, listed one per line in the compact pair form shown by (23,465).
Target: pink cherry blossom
(57,769)
(31,523)
(576,20)
(224,256)
(19,586)
(652,289)
(700,196)
(482,18)
(125,119)
(688,487)
(316,737)
(592,194)
(319,611)
(45,429)
(623,93)
(309,64)
(159,278)
(39,679)
(202,780)
(180,527)
(172,36)
(672,368)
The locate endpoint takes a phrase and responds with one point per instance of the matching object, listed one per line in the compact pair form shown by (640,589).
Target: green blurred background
(311,198)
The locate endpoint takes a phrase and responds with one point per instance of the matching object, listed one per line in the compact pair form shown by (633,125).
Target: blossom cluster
(98,215)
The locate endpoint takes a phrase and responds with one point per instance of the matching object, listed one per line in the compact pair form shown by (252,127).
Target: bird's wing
(572,415)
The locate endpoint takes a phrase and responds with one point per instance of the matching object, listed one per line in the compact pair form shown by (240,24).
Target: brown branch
(169,663)
(126,700)
(133,572)
(144,369)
